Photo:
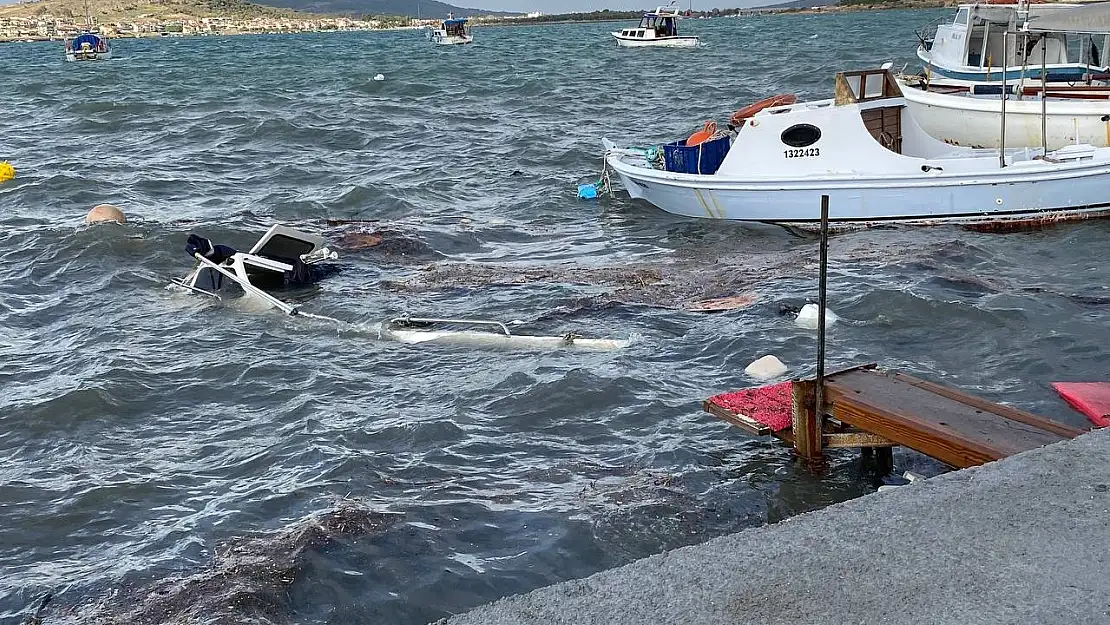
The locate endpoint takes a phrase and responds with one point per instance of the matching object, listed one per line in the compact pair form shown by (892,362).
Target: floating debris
(807,317)
(248,581)
(766,368)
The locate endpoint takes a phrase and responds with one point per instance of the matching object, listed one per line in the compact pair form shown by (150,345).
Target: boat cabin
(87,42)
(974,39)
(655,25)
(455,27)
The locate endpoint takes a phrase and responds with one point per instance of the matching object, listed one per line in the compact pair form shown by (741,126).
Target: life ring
(782,99)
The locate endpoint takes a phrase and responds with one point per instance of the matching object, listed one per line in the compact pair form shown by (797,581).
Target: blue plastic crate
(703,158)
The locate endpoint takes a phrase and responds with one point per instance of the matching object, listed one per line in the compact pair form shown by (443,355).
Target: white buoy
(807,317)
(766,368)
(379,77)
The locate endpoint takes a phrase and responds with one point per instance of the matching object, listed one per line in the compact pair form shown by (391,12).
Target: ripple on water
(163,454)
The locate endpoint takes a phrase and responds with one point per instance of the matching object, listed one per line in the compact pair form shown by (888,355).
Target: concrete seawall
(1023,540)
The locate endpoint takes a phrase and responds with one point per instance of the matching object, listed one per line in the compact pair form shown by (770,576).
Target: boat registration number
(802,153)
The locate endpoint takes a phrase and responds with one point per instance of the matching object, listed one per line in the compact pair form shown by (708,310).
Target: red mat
(769,405)
(1090,398)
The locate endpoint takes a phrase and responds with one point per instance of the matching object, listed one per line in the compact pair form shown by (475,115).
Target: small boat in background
(454,31)
(865,150)
(87,46)
(656,29)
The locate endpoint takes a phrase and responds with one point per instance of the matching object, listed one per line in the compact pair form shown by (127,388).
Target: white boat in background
(1038,112)
(656,29)
(87,45)
(864,150)
(972,117)
(972,47)
(453,31)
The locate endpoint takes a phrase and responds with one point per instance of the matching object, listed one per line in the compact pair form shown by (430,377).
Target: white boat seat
(286,245)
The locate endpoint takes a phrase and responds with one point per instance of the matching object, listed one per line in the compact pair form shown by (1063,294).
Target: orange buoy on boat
(781,99)
(703,135)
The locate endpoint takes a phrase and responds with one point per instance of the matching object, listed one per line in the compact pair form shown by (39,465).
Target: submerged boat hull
(976,121)
(659,42)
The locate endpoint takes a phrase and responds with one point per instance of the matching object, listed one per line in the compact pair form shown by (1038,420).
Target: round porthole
(801,135)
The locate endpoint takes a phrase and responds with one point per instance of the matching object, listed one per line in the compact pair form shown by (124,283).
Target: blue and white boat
(972,48)
(87,45)
(454,31)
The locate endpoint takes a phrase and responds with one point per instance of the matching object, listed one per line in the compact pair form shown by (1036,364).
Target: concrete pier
(1022,540)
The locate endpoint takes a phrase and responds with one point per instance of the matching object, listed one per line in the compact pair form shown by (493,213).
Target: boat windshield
(663,25)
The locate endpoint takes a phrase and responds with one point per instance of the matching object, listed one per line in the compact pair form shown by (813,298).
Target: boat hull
(976,121)
(88,56)
(1069,73)
(442,40)
(1076,193)
(660,42)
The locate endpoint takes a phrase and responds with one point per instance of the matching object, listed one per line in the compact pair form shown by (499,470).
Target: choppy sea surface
(170,458)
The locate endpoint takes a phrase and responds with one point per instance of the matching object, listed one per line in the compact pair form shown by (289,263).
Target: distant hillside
(427,9)
(124,10)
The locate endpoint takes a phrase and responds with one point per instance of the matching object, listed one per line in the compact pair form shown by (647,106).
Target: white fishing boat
(971,48)
(453,31)
(864,150)
(1038,112)
(285,258)
(87,45)
(656,29)
(971,117)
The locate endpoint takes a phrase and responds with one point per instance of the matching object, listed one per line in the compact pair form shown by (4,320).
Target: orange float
(703,135)
(782,99)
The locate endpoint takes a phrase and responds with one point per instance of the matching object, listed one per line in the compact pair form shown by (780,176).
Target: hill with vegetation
(129,10)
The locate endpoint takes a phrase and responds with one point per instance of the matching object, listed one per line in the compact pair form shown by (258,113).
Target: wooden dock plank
(955,428)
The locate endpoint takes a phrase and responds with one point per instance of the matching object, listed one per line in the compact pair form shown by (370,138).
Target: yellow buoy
(7,172)
(105,212)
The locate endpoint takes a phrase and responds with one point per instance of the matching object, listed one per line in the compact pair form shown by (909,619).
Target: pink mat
(769,405)
(1090,398)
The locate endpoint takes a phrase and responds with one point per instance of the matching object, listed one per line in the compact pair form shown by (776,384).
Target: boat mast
(88,20)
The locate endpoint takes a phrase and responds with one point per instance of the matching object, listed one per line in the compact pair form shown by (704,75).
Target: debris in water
(248,580)
(807,317)
(766,368)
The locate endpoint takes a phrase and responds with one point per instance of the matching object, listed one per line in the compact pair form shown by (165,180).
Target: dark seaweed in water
(248,581)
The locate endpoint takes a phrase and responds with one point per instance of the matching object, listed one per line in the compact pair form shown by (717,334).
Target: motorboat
(453,31)
(1039,112)
(970,115)
(87,45)
(864,149)
(285,258)
(973,48)
(657,28)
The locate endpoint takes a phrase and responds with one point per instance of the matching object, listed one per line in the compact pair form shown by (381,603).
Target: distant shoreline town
(45,26)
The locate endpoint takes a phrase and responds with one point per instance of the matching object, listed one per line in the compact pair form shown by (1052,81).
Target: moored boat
(864,150)
(87,45)
(973,47)
(972,117)
(656,29)
(453,31)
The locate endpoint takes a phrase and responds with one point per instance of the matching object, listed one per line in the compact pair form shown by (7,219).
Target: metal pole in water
(821,300)
(1044,94)
(1002,133)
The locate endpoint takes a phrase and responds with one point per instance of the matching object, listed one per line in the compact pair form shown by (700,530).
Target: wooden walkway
(867,407)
